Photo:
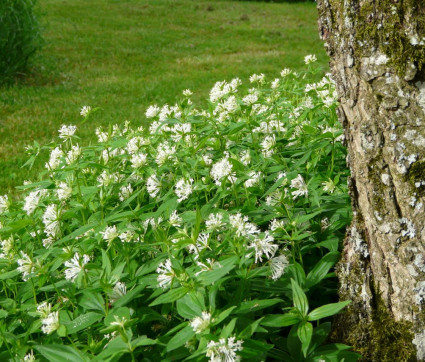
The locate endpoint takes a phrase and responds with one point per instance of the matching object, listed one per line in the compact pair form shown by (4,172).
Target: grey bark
(376,50)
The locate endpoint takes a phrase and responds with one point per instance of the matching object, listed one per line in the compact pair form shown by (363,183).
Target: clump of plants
(202,234)
(20,37)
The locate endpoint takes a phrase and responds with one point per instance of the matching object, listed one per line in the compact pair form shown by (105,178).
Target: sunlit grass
(122,56)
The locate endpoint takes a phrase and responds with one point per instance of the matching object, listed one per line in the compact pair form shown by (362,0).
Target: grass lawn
(122,56)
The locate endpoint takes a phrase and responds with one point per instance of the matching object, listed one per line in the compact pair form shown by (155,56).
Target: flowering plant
(206,234)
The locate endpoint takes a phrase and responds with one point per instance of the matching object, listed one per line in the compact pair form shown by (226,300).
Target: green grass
(122,56)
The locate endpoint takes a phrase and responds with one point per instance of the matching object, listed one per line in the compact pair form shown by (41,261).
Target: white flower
(208,265)
(106,178)
(224,350)
(264,246)
(125,192)
(324,224)
(310,59)
(135,143)
(109,234)
(245,157)
(63,191)
(101,136)
(165,274)
(51,220)
(152,111)
(75,265)
(201,244)
(119,291)
(73,154)
(285,72)
(250,99)
(254,179)
(85,111)
(164,152)
(66,132)
(299,184)
(242,226)
(220,170)
(275,83)
(207,159)
(267,145)
(54,159)
(50,323)
(278,266)
(180,130)
(214,222)
(138,160)
(277,224)
(199,324)
(47,242)
(328,186)
(44,309)
(153,186)
(119,322)
(4,204)
(6,247)
(257,78)
(29,357)
(183,189)
(26,265)
(175,219)
(127,236)
(32,200)
(275,198)
(187,93)
(221,89)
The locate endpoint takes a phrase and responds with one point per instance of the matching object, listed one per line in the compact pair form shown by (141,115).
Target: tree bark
(377,51)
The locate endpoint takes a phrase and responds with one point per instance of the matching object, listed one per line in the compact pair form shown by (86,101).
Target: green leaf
(327,310)
(298,273)
(299,298)
(280,320)
(60,352)
(189,307)
(129,296)
(15,226)
(211,276)
(9,275)
(321,269)
(305,331)
(142,341)
(106,263)
(222,316)
(180,338)
(254,305)
(82,321)
(61,331)
(228,329)
(170,296)
(250,329)
(91,300)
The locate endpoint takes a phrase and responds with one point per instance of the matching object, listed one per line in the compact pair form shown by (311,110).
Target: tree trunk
(377,51)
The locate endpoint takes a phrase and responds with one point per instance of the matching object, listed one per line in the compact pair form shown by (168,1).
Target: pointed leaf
(327,310)
(299,298)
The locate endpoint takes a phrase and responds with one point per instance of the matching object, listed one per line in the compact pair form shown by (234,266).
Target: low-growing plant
(209,235)
(20,37)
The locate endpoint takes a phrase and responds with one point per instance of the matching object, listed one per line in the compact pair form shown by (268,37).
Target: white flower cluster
(224,350)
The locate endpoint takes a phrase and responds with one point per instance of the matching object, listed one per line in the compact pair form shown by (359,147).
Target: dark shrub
(20,37)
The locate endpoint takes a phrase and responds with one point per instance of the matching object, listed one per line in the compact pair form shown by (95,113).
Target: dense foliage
(209,235)
(20,37)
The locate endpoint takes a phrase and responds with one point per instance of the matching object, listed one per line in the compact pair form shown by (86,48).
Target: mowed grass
(122,56)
